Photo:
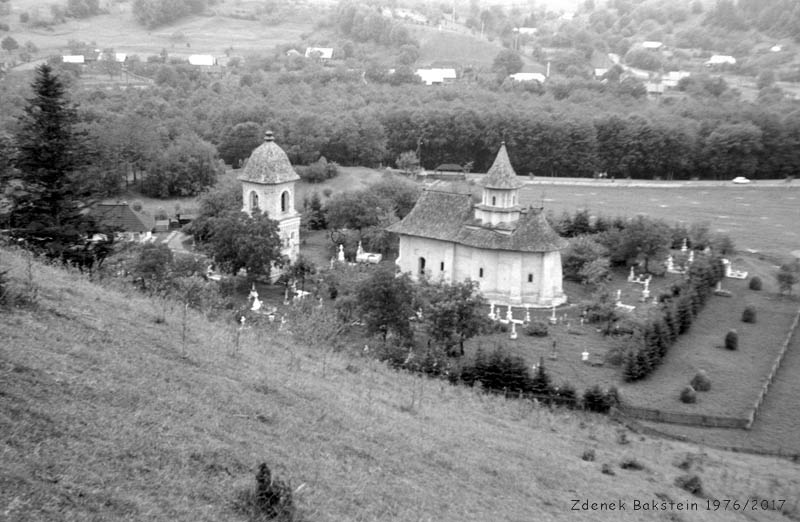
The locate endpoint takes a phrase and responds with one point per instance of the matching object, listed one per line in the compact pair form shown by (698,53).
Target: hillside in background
(102,419)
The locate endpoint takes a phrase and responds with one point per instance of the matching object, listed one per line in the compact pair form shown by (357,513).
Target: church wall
(434,252)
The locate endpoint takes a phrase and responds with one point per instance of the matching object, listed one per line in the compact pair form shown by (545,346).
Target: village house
(128,224)
(512,252)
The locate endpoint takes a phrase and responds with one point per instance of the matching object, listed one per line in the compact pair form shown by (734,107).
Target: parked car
(741,180)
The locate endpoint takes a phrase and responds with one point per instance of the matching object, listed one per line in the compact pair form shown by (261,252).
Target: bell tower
(268,185)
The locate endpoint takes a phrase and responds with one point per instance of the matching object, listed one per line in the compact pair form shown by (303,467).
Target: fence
(773,371)
(688,419)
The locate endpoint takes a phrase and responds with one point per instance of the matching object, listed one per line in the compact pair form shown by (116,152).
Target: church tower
(268,181)
(499,206)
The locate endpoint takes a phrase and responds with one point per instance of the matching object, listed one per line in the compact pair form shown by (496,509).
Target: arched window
(421,265)
(253,200)
(530,278)
(494,201)
(285,201)
(480,272)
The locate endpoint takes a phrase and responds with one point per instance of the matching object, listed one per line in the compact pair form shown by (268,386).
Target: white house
(512,252)
(268,180)
(672,78)
(127,224)
(202,59)
(436,76)
(321,53)
(73,58)
(720,59)
(528,77)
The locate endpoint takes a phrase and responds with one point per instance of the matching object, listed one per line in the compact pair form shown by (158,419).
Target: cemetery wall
(777,364)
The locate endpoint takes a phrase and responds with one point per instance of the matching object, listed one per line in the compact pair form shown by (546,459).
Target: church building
(512,252)
(268,181)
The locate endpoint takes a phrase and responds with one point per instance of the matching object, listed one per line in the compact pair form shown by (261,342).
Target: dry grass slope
(101,419)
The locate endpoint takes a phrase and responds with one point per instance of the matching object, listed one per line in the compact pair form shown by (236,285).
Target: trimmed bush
(536,329)
(688,395)
(701,381)
(755,283)
(749,314)
(732,340)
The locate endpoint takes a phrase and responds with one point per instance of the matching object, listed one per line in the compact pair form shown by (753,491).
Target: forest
(173,136)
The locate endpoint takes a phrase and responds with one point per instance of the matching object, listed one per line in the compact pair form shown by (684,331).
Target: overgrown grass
(102,419)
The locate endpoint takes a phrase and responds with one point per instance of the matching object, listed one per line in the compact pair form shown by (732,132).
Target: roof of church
(268,164)
(501,174)
(449,217)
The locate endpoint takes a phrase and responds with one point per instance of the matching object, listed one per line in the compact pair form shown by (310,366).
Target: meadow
(757,218)
(212,34)
(103,419)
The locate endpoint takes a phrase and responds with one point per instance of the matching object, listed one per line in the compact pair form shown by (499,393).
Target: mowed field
(119,30)
(766,219)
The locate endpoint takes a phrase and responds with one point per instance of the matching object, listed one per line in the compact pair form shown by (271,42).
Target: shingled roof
(437,215)
(120,216)
(501,174)
(449,217)
(268,164)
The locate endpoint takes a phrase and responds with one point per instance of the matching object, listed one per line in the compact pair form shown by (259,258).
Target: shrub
(536,329)
(565,395)
(631,463)
(690,483)
(749,314)
(732,340)
(597,400)
(588,455)
(755,283)
(607,470)
(701,381)
(688,395)
(271,499)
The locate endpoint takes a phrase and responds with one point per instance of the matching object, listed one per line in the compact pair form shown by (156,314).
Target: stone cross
(341,253)
(513,334)
(619,296)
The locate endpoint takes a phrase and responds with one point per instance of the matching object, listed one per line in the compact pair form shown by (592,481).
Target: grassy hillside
(102,419)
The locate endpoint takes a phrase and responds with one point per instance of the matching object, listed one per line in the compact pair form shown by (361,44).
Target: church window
(530,278)
(441,266)
(421,265)
(285,201)
(480,272)
(253,200)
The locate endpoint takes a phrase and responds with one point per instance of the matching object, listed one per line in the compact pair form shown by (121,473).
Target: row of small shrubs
(507,373)
(679,307)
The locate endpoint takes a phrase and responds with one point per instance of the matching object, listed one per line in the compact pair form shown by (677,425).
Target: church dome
(268,164)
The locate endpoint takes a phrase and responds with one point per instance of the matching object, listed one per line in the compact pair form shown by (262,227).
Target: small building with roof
(511,251)
(268,185)
(127,224)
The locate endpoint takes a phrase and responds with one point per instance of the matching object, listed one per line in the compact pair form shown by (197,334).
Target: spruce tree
(49,158)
